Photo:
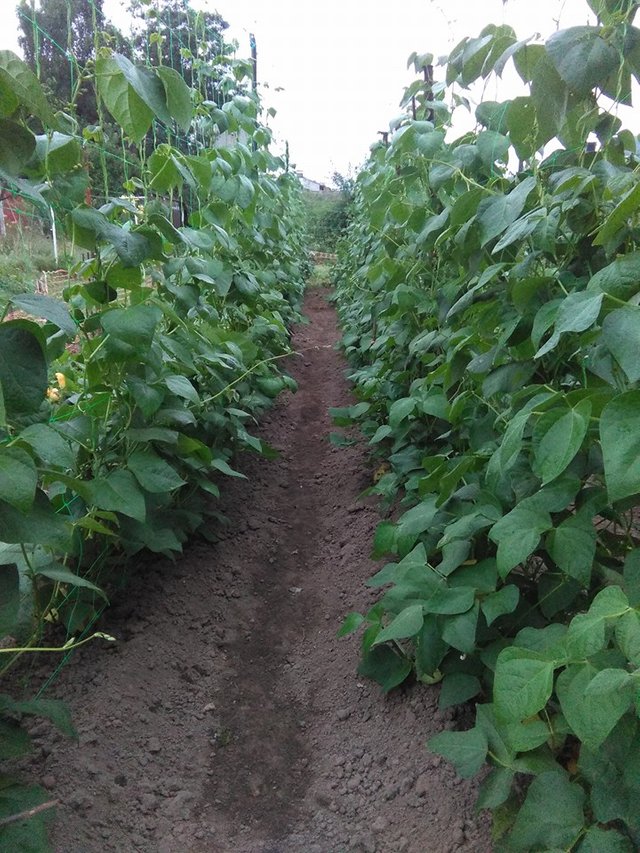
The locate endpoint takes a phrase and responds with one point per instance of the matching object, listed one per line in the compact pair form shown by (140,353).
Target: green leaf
(53,310)
(419,518)
(518,535)
(121,99)
(505,600)
(28,836)
(551,815)
(406,624)
(131,247)
(18,78)
(351,623)
(621,334)
(561,442)
(627,631)
(613,224)
(495,214)
(14,742)
(632,577)
(153,473)
(572,546)
(40,526)
(591,715)
(460,630)
(182,387)
(465,750)
(495,788)
(577,313)
(400,410)
(178,96)
(583,58)
(599,840)
(384,666)
(523,684)
(23,368)
(457,688)
(58,573)
(620,440)
(225,468)
(51,709)
(620,278)
(55,154)
(119,492)
(586,634)
(18,478)
(130,330)
(17,145)
(9,598)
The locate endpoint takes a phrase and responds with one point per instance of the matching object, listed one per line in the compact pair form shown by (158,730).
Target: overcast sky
(342,63)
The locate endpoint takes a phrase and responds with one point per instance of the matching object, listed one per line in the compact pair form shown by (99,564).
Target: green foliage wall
(121,404)
(491,320)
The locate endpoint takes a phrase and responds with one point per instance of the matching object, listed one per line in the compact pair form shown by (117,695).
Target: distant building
(312,186)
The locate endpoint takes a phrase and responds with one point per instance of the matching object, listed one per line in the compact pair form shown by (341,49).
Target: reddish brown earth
(228,718)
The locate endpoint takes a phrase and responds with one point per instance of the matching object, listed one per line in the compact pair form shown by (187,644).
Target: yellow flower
(61,379)
(53,394)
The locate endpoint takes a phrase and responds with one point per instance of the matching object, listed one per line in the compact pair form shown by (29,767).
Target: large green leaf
(577,313)
(406,624)
(592,713)
(119,491)
(153,473)
(621,334)
(27,836)
(131,247)
(18,478)
(385,666)
(497,213)
(48,445)
(572,546)
(551,817)
(178,96)
(583,58)
(51,709)
(46,307)
(523,684)
(130,330)
(620,440)
(40,526)
(121,99)
(17,144)
(518,534)
(561,442)
(613,224)
(9,598)
(55,154)
(17,77)
(23,368)
(465,750)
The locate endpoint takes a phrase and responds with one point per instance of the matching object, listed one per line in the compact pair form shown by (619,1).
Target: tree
(58,42)
(172,33)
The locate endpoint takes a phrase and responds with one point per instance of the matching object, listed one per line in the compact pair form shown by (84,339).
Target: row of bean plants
(489,297)
(120,412)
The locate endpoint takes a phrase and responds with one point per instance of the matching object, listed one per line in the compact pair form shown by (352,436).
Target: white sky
(342,63)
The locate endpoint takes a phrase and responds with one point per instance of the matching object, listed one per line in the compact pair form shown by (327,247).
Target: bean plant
(122,404)
(489,292)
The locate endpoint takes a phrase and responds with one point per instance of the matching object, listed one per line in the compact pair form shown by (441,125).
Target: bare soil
(228,718)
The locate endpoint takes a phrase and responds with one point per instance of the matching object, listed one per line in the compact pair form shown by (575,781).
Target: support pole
(254,59)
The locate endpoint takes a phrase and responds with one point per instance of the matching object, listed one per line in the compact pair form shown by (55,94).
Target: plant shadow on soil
(228,718)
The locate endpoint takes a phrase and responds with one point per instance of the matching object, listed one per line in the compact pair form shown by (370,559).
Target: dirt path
(229,719)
